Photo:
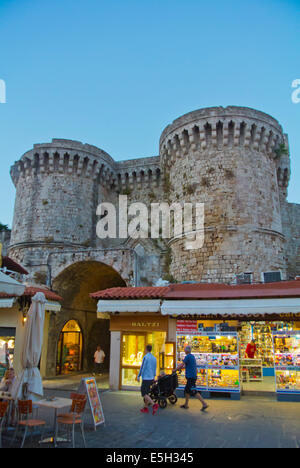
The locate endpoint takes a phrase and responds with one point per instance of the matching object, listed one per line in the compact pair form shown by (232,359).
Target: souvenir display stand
(251,370)
(287,365)
(217,357)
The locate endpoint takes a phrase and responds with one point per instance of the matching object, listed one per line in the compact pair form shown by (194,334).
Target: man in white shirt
(148,373)
(98,360)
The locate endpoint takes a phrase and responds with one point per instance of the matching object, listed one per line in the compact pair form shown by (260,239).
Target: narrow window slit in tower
(253,133)
(56,161)
(242,133)
(66,162)
(219,129)
(208,133)
(262,136)
(230,134)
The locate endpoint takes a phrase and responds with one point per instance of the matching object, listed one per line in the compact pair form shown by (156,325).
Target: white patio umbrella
(9,285)
(31,351)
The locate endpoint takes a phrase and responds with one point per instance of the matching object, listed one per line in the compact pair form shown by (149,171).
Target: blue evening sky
(114,73)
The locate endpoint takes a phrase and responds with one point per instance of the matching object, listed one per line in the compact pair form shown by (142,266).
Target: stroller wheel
(173,399)
(162,403)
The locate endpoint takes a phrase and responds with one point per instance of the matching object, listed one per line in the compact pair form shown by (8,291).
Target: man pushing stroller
(148,373)
(190,365)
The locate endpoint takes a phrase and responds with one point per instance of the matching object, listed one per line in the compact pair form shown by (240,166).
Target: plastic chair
(24,411)
(3,409)
(74,417)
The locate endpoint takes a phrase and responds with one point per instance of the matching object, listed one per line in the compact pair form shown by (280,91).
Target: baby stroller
(163,389)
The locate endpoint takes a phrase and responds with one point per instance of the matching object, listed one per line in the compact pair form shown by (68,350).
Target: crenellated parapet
(138,173)
(220,128)
(66,157)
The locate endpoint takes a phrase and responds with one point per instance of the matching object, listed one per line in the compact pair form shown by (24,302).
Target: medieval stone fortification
(235,160)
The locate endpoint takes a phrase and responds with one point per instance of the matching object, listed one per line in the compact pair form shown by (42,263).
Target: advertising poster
(89,386)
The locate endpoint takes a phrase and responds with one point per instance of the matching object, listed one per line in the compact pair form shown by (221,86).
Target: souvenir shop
(223,364)
(245,340)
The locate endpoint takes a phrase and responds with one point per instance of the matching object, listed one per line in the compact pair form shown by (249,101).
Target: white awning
(232,307)
(7,303)
(9,285)
(53,306)
(142,305)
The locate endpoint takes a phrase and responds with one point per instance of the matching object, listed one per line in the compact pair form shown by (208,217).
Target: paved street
(251,422)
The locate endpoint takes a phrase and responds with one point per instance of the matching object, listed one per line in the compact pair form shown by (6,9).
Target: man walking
(148,373)
(190,365)
(98,360)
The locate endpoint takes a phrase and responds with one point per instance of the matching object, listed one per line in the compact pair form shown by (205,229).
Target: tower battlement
(218,128)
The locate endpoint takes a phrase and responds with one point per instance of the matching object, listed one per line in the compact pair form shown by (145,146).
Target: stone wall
(291,229)
(5,241)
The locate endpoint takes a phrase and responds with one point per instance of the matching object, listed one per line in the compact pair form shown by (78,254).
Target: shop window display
(287,361)
(132,353)
(261,332)
(217,358)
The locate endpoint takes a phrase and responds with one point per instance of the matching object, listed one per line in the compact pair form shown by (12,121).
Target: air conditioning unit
(271,276)
(244,278)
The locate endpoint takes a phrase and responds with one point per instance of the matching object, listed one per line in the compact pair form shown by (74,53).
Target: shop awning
(9,285)
(7,303)
(53,306)
(139,305)
(235,307)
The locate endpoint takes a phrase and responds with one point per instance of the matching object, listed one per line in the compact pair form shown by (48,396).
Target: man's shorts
(190,387)
(145,388)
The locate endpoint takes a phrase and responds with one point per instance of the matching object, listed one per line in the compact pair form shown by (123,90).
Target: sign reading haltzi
(146,324)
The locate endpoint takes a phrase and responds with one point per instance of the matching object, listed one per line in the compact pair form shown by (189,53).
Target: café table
(55,403)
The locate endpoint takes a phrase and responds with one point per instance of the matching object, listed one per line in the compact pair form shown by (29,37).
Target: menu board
(89,386)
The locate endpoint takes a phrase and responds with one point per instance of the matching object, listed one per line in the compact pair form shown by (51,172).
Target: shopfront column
(115,360)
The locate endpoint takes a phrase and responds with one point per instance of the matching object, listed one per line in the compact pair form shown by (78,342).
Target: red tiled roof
(230,291)
(11,265)
(152,292)
(203,291)
(50,295)
(32,290)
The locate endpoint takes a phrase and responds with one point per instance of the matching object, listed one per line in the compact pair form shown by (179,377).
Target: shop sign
(145,324)
(186,326)
(142,324)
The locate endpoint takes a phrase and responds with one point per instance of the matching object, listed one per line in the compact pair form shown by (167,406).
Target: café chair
(74,418)
(24,420)
(3,410)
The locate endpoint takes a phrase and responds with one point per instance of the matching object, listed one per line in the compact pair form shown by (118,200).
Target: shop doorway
(69,349)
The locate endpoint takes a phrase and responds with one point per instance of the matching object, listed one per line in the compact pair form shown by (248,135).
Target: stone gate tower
(230,159)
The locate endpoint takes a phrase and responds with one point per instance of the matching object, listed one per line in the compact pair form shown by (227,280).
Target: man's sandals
(202,409)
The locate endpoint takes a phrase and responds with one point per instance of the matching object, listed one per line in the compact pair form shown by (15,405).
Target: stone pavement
(253,422)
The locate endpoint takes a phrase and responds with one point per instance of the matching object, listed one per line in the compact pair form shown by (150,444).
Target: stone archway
(77,281)
(74,284)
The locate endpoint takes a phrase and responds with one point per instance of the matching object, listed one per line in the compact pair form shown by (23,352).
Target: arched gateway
(75,332)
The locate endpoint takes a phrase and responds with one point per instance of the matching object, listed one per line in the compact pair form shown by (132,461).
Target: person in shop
(99,357)
(7,381)
(147,373)
(251,350)
(190,365)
